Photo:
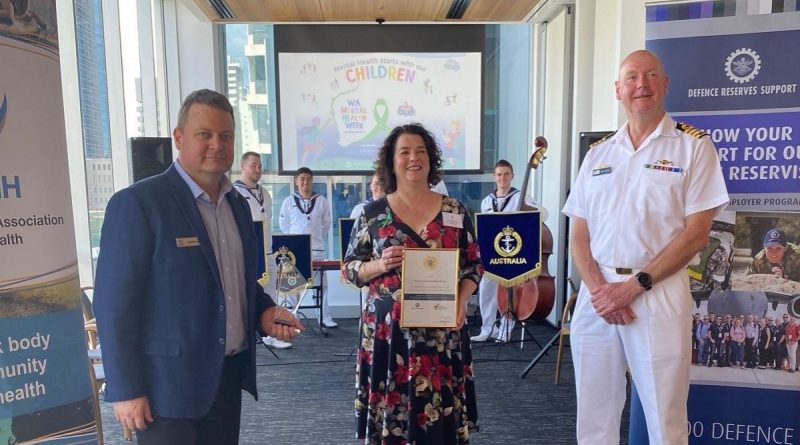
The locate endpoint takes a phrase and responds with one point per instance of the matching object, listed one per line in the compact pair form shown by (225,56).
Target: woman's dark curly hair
(384,165)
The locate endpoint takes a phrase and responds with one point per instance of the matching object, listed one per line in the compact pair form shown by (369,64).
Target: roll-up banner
(45,391)
(733,73)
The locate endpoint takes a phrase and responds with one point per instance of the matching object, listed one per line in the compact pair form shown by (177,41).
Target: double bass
(532,299)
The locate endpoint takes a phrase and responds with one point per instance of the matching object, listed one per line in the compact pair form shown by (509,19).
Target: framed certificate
(429,288)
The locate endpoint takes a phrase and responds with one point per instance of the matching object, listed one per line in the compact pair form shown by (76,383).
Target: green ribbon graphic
(381,120)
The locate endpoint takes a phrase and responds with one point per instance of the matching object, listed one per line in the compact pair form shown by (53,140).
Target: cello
(532,299)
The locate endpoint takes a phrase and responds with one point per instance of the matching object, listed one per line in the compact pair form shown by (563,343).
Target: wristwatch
(644,280)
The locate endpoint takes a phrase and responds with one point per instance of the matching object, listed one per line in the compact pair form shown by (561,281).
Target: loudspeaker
(587,138)
(148,156)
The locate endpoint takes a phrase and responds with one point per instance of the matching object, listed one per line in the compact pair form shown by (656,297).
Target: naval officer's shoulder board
(691,130)
(601,140)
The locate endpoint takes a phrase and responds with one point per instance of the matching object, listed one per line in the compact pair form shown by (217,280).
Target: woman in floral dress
(414,386)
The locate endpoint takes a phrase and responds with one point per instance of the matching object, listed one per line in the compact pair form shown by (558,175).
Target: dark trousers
(779,351)
(737,354)
(764,356)
(750,353)
(730,353)
(219,426)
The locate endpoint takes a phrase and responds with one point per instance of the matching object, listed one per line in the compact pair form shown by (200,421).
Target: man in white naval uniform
(376,188)
(306,212)
(640,210)
(260,203)
(440,188)
(504,199)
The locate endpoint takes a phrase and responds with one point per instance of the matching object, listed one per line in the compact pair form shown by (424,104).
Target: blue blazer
(160,308)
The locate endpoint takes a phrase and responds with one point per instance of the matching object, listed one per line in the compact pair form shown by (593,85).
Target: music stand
(510,314)
(511,246)
(292,254)
(286,301)
(345,231)
(549,344)
(263,267)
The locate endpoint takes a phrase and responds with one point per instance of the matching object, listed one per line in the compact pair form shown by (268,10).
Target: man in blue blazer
(176,296)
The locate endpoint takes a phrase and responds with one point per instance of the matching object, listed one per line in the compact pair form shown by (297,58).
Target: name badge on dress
(189,241)
(453,220)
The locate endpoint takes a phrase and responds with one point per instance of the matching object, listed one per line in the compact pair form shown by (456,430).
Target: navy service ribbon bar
(663,168)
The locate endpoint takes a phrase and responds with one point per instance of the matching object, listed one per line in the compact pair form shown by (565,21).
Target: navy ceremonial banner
(510,245)
(263,270)
(345,230)
(293,258)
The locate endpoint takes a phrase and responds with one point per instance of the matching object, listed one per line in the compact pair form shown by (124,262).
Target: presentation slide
(337,108)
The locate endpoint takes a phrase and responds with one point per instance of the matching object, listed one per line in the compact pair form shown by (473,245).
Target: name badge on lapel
(189,241)
(601,170)
(453,220)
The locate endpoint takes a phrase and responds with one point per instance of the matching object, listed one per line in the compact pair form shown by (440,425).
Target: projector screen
(340,90)
(336,108)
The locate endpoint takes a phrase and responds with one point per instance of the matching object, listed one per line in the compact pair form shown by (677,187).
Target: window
(259,67)
(90,41)
(506,125)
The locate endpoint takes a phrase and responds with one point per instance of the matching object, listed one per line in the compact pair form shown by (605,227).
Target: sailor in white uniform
(440,188)
(260,203)
(376,187)
(305,212)
(504,199)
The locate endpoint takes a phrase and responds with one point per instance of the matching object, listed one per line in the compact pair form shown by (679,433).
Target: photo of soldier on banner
(293,257)
(510,245)
(748,276)
(713,270)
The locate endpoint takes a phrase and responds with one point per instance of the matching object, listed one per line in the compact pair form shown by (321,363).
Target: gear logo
(3,110)
(742,65)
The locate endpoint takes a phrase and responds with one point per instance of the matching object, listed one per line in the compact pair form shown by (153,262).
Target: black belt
(619,270)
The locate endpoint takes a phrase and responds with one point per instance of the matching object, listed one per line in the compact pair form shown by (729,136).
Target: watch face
(643,279)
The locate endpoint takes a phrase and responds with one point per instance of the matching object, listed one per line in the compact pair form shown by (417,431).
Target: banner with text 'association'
(45,387)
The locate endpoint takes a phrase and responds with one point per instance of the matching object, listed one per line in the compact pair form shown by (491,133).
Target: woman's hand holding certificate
(430,289)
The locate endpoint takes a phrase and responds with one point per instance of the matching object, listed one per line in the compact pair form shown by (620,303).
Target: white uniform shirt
(509,203)
(636,202)
(356,212)
(260,203)
(306,219)
(440,188)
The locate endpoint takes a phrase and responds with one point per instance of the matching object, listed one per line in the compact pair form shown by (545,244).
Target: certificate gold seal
(430,262)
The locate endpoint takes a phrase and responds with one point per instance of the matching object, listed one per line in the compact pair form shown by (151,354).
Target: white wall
(196,52)
(617,29)
(556,116)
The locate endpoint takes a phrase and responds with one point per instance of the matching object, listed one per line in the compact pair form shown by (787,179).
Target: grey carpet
(307,394)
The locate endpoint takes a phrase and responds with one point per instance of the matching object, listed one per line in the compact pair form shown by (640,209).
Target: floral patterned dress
(413,386)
